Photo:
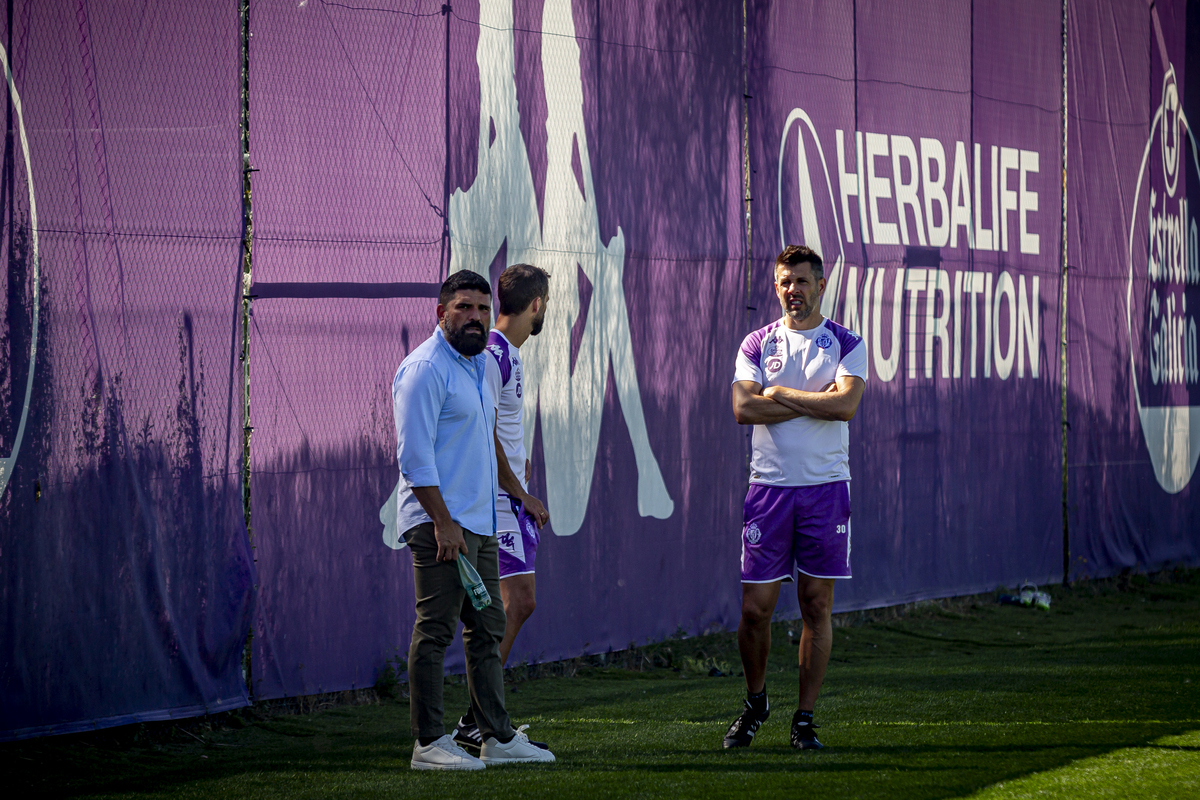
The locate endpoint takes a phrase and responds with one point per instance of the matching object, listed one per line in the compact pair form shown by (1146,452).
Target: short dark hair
(796,254)
(520,285)
(462,281)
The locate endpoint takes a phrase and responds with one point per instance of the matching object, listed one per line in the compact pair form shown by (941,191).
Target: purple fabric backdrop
(952,492)
(1135,435)
(124,565)
(394,142)
(324,451)
(348,137)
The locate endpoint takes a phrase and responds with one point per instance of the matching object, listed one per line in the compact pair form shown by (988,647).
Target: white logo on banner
(7,462)
(915,193)
(501,207)
(1169,345)
(808,204)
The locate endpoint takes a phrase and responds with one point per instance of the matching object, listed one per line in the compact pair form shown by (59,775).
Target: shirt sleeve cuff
(422,476)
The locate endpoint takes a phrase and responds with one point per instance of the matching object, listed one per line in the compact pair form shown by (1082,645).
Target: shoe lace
(748,720)
(520,733)
(803,731)
(450,746)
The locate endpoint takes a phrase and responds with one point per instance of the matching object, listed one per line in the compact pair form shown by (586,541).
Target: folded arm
(750,407)
(838,402)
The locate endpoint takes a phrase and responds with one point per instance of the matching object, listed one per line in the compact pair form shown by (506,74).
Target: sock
(469,717)
(758,702)
(802,718)
(427,740)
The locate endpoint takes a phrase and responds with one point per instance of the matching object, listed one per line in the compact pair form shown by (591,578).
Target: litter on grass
(1029,596)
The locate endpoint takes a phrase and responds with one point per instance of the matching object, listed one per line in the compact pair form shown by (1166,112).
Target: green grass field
(1099,697)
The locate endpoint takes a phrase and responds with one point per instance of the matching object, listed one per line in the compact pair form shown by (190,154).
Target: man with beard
(798,381)
(446,506)
(522,291)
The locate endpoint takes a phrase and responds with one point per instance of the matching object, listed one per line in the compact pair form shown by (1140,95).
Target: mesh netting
(654,157)
(125,566)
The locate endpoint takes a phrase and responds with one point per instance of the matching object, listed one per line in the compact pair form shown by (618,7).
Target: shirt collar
(808,334)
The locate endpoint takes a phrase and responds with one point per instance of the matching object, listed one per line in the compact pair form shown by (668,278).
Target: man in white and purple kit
(522,292)
(798,381)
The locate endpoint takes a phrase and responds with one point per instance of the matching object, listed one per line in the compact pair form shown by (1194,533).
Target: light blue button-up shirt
(444,420)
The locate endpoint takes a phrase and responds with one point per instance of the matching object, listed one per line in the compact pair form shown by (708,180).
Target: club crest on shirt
(770,346)
(517,376)
(753,534)
(824,341)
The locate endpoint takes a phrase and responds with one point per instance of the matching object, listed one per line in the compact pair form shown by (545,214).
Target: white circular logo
(1169,124)
(1164,270)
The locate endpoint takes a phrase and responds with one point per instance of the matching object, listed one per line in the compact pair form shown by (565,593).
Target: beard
(538,322)
(799,313)
(468,339)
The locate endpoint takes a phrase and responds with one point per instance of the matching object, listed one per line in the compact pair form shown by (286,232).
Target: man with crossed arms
(798,381)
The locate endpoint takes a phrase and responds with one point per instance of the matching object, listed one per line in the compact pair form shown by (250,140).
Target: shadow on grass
(979,719)
(990,765)
(365,757)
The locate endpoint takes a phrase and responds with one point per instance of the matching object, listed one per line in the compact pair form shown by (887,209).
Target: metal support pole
(444,261)
(746,196)
(1062,313)
(247,262)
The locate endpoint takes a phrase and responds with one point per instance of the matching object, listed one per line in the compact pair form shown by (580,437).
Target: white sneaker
(443,754)
(515,751)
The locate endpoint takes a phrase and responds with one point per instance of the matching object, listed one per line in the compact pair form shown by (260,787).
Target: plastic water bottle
(473,584)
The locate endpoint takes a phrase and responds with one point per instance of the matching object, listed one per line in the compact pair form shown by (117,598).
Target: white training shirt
(505,377)
(801,451)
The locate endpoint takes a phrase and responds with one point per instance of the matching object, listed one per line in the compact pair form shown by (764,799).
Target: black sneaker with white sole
(804,734)
(467,736)
(741,732)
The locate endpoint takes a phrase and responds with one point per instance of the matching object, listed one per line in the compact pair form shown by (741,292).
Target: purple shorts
(796,527)
(518,548)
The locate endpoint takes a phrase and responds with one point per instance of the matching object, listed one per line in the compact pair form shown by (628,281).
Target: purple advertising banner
(1134,386)
(654,157)
(125,570)
(578,138)
(350,160)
